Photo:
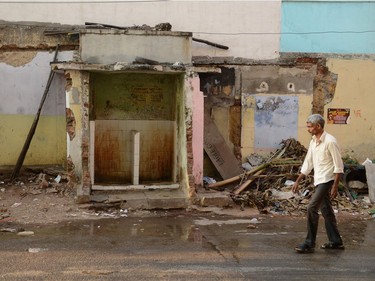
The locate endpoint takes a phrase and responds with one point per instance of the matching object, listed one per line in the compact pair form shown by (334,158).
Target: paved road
(185,247)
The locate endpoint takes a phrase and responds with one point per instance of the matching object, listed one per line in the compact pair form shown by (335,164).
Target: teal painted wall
(322,27)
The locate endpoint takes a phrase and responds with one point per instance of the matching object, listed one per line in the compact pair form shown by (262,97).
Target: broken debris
(267,185)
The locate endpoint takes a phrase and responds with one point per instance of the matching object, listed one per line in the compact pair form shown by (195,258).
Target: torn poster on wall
(338,115)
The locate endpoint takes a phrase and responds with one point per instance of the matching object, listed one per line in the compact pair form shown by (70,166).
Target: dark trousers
(321,199)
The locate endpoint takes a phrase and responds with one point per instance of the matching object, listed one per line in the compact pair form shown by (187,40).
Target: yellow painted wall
(220,116)
(355,90)
(48,145)
(305,110)
(247,129)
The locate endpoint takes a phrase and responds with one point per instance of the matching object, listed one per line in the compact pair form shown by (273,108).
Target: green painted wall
(133,96)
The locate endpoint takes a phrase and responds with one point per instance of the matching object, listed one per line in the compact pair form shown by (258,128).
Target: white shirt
(324,157)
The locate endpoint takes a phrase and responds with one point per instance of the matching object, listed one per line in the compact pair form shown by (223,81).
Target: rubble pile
(267,186)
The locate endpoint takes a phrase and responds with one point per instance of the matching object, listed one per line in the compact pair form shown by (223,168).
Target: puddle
(189,243)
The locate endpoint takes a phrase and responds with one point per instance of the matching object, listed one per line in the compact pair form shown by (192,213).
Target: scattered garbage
(255,159)
(207,181)
(289,182)
(247,166)
(15,205)
(37,250)
(58,179)
(25,233)
(305,193)
(370,175)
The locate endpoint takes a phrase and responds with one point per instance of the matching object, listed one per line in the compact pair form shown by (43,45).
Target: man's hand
(334,192)
(295,186)
(335,186)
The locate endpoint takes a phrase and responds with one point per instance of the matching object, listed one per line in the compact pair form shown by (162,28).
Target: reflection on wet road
(185,247)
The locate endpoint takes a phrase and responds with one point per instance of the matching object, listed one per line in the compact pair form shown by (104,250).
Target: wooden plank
(221,156)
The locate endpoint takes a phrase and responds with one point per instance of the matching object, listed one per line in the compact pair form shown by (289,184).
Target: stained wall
(355,91)
(23,80)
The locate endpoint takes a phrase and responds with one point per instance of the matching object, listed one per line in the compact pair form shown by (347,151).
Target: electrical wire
(81,1)
(287,33)
(196,32)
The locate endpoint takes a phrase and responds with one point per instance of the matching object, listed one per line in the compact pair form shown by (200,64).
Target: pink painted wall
(198,127)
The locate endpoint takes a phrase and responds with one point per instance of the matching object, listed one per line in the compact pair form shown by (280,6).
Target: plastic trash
(37,250)
(25,233)
(370,175)
(208,180)
(289,182)
(58,179)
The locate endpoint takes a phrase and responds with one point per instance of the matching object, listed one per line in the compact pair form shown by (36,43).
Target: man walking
(324,157)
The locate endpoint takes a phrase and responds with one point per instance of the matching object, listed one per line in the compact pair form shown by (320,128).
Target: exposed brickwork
(324,87)
(86,177)
(190,160)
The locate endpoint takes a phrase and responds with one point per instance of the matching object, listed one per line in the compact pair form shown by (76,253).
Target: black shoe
(304,249)
(332,246)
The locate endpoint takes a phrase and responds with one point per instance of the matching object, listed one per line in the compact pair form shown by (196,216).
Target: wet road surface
(186,247)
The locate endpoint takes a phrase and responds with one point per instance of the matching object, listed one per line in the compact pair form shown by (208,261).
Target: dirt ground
(27,204)
(36,197)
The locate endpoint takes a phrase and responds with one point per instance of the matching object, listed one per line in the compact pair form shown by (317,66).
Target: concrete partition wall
(355,91)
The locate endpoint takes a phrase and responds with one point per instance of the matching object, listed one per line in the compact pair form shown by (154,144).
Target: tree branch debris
(267,186)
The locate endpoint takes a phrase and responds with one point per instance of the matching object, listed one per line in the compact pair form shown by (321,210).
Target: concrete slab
(164,199)
(146,200)
(214,198)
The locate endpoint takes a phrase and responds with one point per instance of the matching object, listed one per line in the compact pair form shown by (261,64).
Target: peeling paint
(70,124)
(275,119)
(17,59)
(324,88)
(270,104)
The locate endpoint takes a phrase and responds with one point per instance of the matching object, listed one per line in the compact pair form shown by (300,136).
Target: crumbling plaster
(75,146)
(292,83)
(17,59)
(37,36)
